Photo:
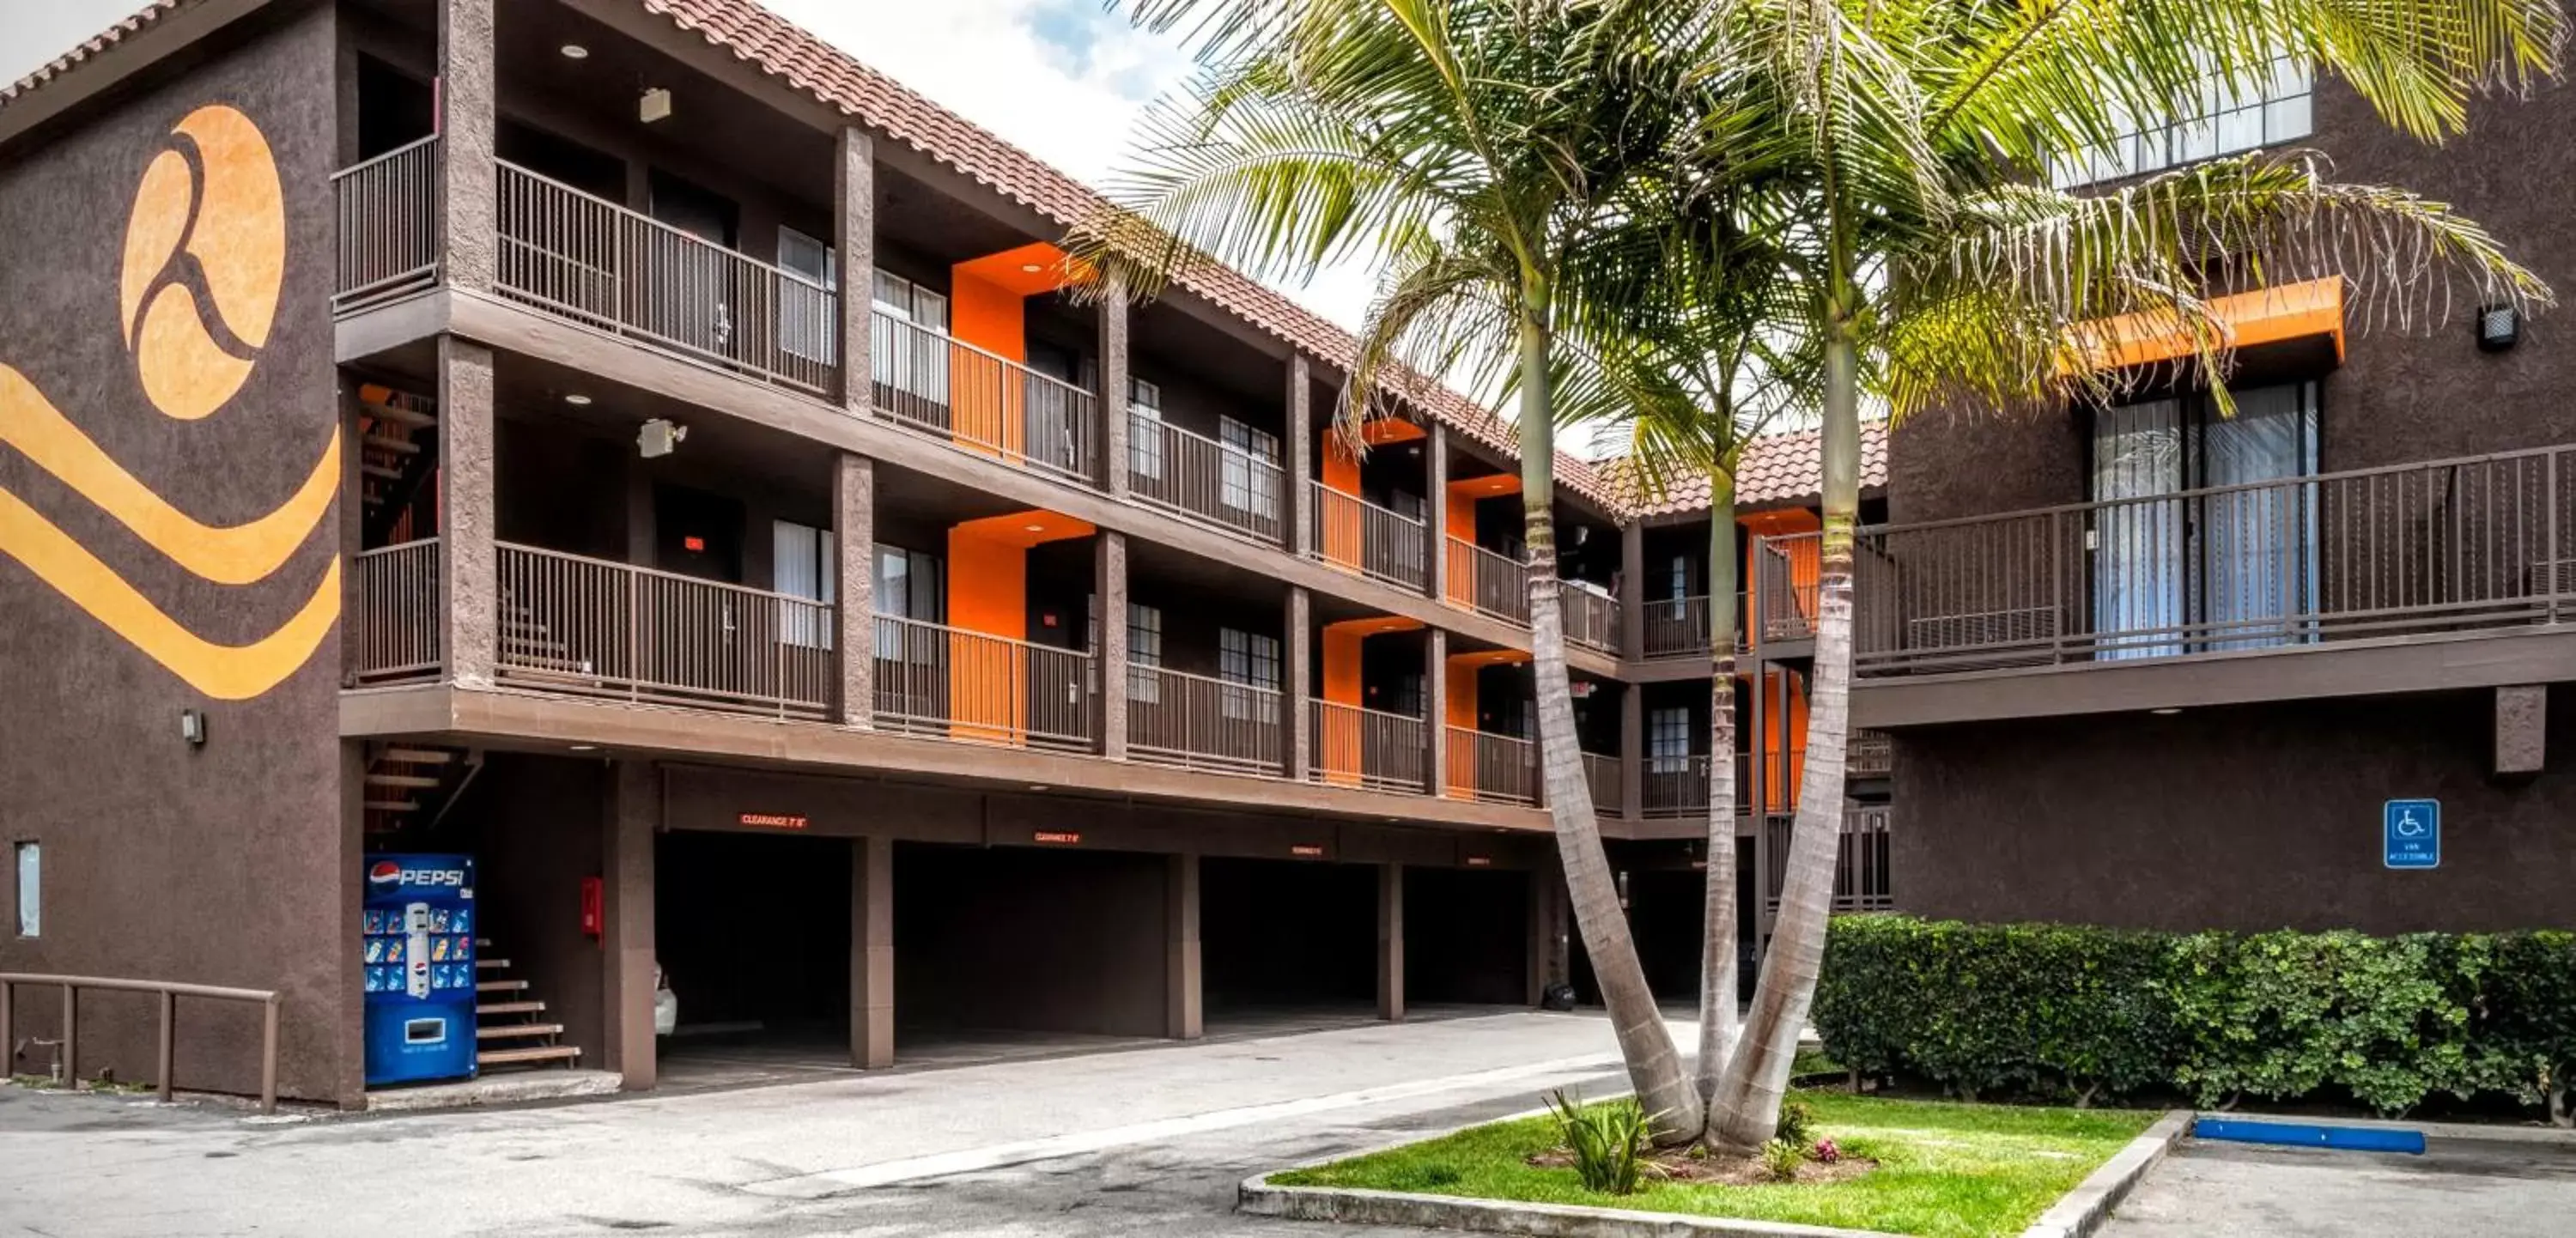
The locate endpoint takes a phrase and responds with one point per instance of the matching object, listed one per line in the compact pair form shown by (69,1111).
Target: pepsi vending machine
(419,952)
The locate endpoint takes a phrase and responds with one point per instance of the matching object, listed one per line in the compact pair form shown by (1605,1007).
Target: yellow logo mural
(205,256)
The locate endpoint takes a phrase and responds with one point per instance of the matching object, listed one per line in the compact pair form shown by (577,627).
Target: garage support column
(1390,942)
(627,948)
(854,539)
(1183,998)
(1109,586)
(1547,945)
(470,573)
(1297,680)
(872,952)
(854,222)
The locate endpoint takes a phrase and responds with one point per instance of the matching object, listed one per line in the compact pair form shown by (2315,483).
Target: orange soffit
(2263,316)
(1374,626)
(1025,529)
(1379,431)
(1487,657)
(1488,486)
(1029,270)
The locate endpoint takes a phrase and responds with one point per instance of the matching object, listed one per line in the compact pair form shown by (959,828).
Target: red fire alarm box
(594,920)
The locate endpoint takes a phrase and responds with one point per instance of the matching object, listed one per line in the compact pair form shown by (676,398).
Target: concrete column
(468,575)
(1183,1003)
(1297,682)
(1435,706)
(872,952)
(854,244)
(1548,945)
(854,539)
(1632,751)
(1109,586)
(2521,729)
(626,903)
(1390,942)
(1632,590)
(469,95)
(1301,456)
(1113,388)
(1435,513)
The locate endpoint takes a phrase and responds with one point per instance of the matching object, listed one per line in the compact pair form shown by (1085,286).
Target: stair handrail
(170,991)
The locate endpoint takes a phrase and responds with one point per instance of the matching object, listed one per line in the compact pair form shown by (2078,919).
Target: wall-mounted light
(655,105)
(2499,327)
(192,727)
(659,438)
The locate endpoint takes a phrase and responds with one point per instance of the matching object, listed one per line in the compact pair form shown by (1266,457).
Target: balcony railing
(397,628)
(1591,619)
(386,211)
(2473,544)
(1198,476)
(1601,773)
(1872,755)
(1678,787)
(1368,748)
(1862,881)
(1488,583)
(1496,768)
(588,627)
(949,683)
(1677,627)
(984,403)
(1192,721)
(1353,533)
(1784,585)
(602,265)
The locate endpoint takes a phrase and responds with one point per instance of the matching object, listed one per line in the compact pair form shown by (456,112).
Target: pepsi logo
(384,873)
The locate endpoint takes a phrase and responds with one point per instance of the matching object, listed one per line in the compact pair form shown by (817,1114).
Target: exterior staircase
(412,784)
(510,1028)
(397,462)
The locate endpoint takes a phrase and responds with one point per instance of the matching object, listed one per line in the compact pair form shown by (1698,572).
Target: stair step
(497,963)
(378,470)
(398,414)
(401,446)
(401,780)
(500,986)
(512,1031)
(393,805)
(532,1007)
(533,1053)
(417,756)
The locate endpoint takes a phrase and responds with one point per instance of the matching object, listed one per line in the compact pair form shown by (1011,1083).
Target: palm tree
(1935,257)
(1472,148)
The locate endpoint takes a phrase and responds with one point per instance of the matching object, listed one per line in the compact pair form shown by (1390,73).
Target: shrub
(1827,1152)
(1797,1119)
(2220,1016)
(1605,1140)
(1781,1159)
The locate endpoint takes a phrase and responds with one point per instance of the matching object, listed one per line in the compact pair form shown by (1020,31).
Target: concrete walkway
(2459,1187)
(1128,1143)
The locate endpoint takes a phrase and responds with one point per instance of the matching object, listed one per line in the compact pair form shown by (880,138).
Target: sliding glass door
(2139,559)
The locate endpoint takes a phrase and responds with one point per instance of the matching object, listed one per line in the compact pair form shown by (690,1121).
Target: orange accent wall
(1784,744)
(1461,708)
(1461,516)
(988,593)
(1341,756)
(1804,557)
(1343,533)
(984,399)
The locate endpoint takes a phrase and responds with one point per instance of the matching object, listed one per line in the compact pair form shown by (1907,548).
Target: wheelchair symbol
(2409,827)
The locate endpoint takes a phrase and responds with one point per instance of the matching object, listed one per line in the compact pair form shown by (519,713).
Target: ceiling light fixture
(1031,268)
(577,399)
(1037,528)
(575,51)
(585,747)
(2166,712)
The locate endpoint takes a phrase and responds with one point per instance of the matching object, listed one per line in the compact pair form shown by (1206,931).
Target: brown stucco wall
(2253,817)
(232,863)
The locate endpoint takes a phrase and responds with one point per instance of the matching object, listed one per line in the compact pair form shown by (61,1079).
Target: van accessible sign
(2411,833)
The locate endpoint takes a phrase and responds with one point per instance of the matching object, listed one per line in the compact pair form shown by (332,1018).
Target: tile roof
(1777,468)
(110,37)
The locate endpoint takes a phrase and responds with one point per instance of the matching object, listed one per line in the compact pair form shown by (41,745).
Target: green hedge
(2217,1016)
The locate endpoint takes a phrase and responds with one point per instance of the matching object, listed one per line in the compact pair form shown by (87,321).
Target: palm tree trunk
(1654,1065)
(1746,1112)
(1717,1018)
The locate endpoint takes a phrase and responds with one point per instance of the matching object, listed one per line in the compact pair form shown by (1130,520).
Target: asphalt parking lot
(2467,1188)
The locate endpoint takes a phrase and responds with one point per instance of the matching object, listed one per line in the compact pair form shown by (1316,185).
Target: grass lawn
(1944,1170)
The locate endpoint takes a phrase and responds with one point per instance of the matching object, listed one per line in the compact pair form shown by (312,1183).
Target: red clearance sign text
(774,820)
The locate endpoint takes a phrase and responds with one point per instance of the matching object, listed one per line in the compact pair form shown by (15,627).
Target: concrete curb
(2077,1215)
(2085,1208)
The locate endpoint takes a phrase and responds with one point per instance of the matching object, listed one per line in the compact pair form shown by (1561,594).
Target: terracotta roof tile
(1777,468)
(92,46)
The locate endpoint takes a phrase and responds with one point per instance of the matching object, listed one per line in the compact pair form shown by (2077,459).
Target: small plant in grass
(1604,1140)
(1781,1159)
(1797,1120)
(1827,1152)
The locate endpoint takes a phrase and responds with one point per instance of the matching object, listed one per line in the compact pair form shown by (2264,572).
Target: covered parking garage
(1288,939)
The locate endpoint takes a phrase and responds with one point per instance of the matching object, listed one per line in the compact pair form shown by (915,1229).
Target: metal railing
(1872,754)
(983,403)
(1201,477)
(166,1063)
(1678,787)
(1862,881)
(602,265)
(949,683)
(1369,748)
(2470,544)
(1784,584)
(1497,768)
(398,626)
(1488,583)
(386,213)
(1677,627)
(1602,774)
(1192,721)
(589,627)
(1353,533)
(1591,619)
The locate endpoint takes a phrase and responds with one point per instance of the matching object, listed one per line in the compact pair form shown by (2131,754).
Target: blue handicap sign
(2412,833)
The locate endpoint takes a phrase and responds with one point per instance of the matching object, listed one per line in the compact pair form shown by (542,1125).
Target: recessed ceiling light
(577,400)
(585,747)
(1037,786)
(1032,268)
(2166,712)
(1037,528)
(575,51)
